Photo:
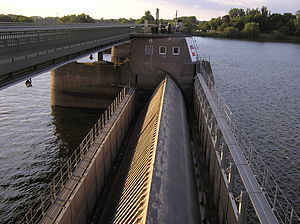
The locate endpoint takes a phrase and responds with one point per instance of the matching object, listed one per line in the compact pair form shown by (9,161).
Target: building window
(162,50)
(176,51)
(148,49)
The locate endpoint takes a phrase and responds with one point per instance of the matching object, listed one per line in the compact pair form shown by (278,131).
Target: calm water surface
(261,84)
(35,140)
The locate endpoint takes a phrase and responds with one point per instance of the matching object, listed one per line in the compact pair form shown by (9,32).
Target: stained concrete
(88,85)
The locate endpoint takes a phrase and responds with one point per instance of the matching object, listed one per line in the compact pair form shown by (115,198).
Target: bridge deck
(25,51)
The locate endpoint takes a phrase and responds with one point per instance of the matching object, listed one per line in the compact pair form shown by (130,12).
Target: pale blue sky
(202,9)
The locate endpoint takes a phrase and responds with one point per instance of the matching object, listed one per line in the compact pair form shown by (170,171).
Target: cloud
(239,3)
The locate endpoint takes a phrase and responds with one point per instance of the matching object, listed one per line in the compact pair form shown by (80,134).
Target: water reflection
(71,125)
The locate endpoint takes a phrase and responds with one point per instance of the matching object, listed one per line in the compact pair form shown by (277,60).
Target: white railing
(37,211)
(281,207)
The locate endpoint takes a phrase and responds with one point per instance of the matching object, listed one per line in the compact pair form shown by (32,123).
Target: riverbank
(263,37)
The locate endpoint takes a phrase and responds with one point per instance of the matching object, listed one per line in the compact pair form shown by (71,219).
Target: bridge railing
(25,51)
(37,211)
(281,207)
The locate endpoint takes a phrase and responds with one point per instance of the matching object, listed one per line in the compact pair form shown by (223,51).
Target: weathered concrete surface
(90,85)
(77,199)
(120,54)
(173,197)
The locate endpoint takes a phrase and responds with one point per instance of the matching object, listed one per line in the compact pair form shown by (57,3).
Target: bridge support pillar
(100,56)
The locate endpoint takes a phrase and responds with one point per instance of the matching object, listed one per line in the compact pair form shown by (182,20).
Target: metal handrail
(279,203)
(37,211)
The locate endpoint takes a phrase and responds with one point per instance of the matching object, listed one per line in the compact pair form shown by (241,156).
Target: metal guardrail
(37,211)
(17,25)
(18,42)
(281,207)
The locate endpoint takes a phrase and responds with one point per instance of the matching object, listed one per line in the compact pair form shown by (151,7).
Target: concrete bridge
(28,49)
(142,165)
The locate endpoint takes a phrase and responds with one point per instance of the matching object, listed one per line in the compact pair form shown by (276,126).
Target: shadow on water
(21,190)
(71,125)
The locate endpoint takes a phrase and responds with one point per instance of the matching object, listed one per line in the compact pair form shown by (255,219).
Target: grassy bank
(263,37)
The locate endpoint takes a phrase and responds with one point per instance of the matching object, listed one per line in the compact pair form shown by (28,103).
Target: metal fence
(16,45)
(276,198)
(37,211)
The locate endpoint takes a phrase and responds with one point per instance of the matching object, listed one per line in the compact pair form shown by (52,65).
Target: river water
(35,139)
(259,81)
(261,84)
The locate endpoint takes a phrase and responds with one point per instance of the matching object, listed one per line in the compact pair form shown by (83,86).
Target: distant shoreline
(260,38)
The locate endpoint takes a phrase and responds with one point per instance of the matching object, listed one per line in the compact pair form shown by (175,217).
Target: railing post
(223,155)
(243,207)
(218,138)
(232,171)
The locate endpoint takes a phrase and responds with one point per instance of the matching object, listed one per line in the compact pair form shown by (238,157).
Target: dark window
(148,49)
(176,51)
(162,50)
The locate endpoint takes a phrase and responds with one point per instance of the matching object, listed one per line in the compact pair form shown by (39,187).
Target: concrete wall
(149,69)
(81,202)
(89,85)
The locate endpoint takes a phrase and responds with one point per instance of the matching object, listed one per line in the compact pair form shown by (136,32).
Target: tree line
(253,22)
(238,23)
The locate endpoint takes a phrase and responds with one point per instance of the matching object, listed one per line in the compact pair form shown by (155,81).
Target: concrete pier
(88,85)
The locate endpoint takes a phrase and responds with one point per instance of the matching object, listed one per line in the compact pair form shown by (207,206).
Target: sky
(202,9)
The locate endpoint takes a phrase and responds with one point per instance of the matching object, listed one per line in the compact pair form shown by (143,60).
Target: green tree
(235,12)
(297,23)
(5,18)
(238,22)
(231,31)
(148,17)
(204,26)
(82,18)
(215,22)
(222,27)
(21,19)
(190,23)
(225,19)
(252,29)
